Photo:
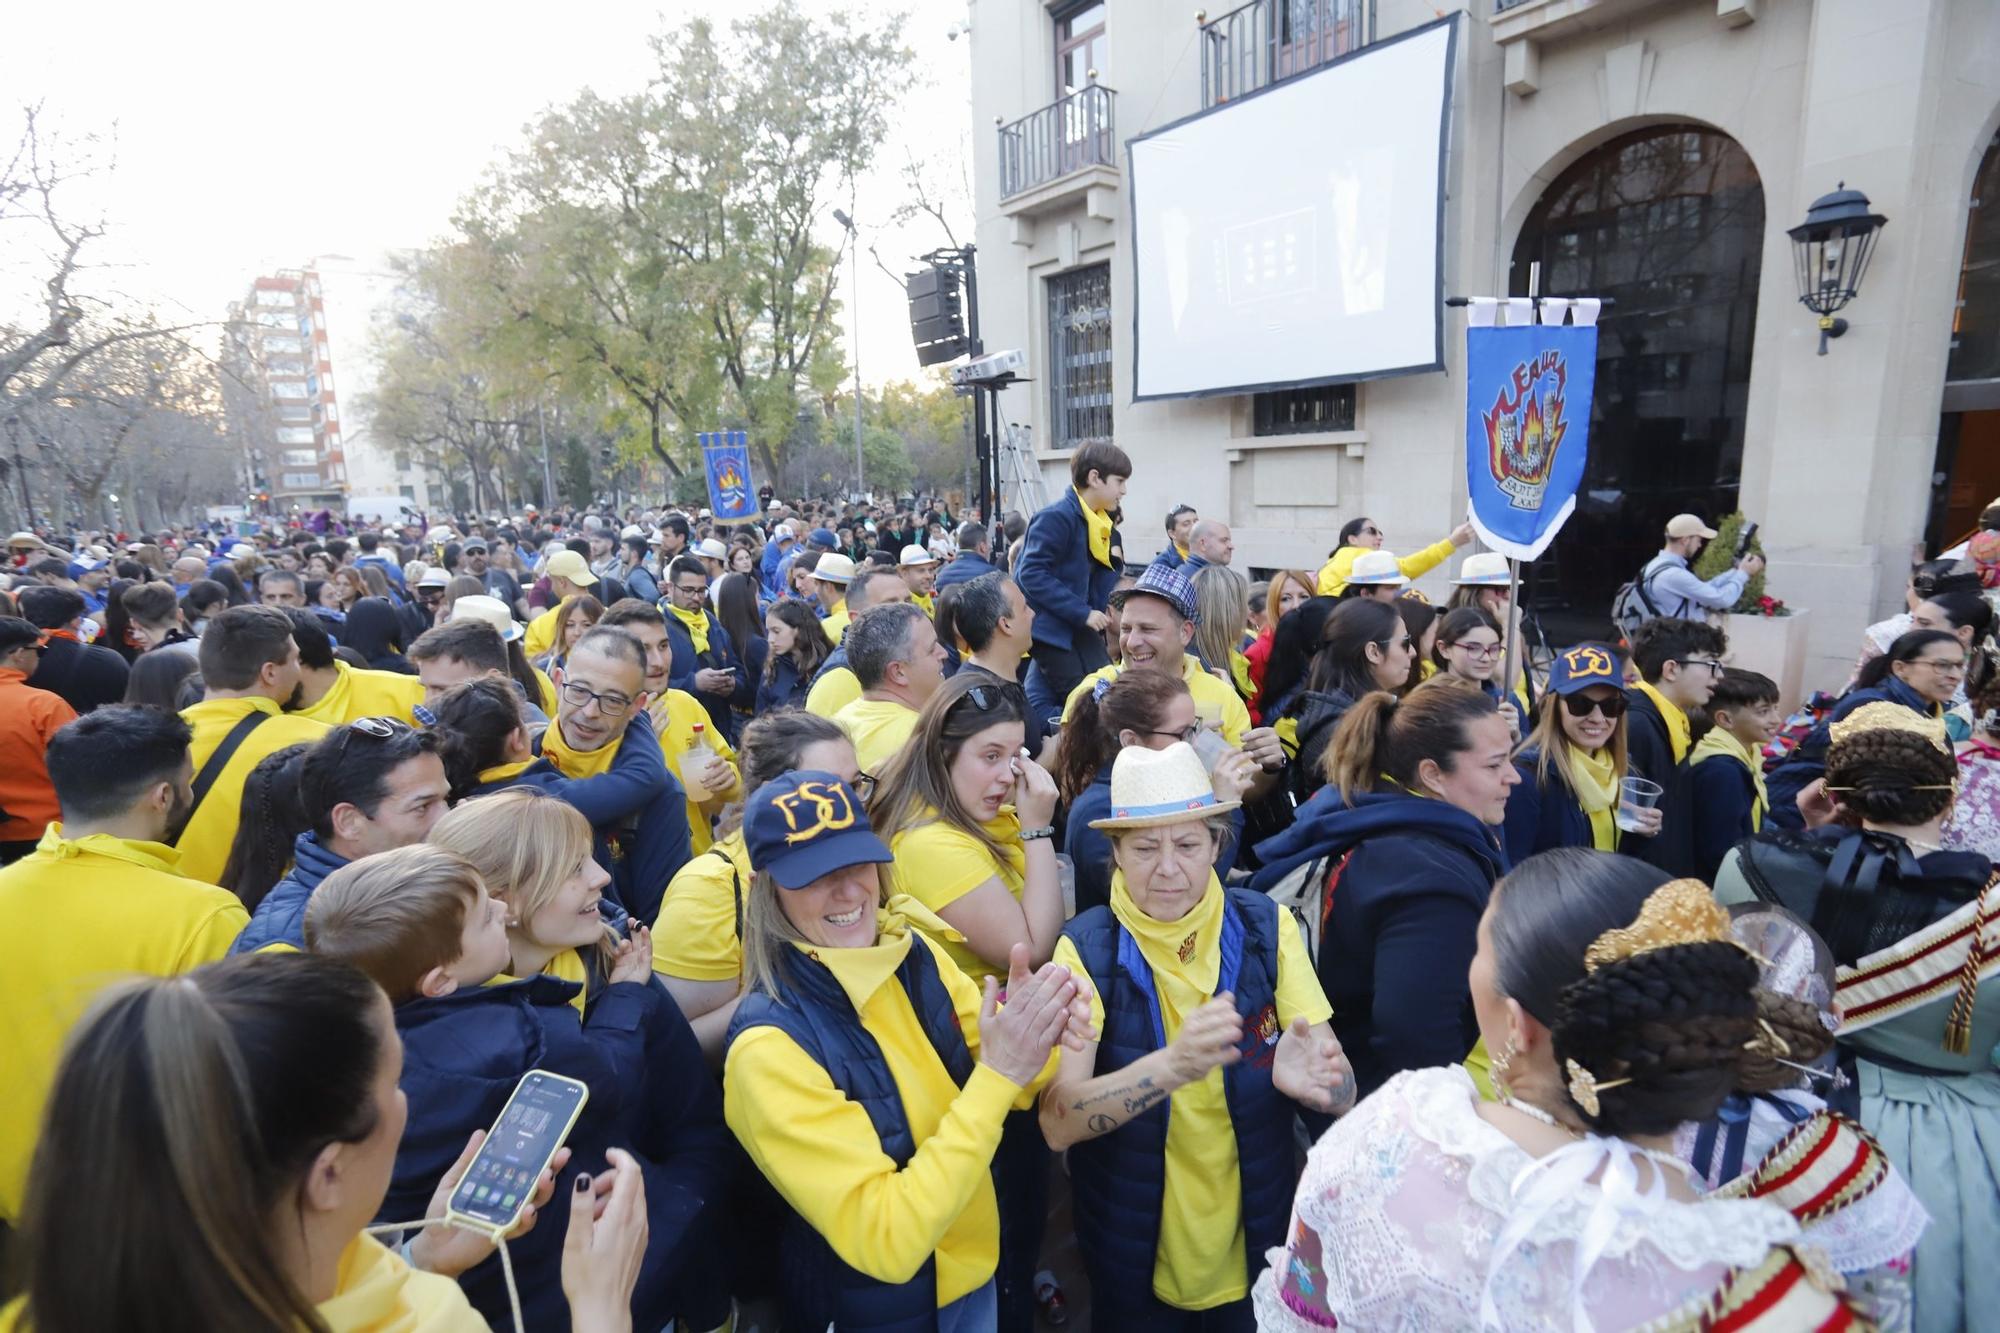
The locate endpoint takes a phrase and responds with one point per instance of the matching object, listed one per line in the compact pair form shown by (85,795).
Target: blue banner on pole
(725,457)
(1527,430)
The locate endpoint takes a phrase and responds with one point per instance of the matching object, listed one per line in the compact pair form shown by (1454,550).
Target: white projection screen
(1294,236)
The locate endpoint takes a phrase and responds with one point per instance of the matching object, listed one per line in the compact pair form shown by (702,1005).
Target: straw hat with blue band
(1154,787)
(806,824)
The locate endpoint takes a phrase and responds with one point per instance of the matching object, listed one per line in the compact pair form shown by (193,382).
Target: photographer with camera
(1667,586)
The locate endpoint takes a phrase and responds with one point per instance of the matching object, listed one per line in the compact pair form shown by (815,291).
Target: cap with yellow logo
(1583,666)
(802,825)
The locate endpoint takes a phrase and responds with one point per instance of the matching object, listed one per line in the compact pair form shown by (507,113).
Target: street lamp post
(854,333)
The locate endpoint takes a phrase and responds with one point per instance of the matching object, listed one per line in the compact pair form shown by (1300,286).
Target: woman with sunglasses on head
(1143,708)
(970,819)
(1364,647)
(1365,534)
(1920,1018)
(1573,764)
(1406,841)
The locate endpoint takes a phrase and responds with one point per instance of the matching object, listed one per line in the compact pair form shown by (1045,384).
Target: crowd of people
(924,900)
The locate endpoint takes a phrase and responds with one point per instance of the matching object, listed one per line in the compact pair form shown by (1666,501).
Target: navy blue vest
(1118,1180)
(816,1286)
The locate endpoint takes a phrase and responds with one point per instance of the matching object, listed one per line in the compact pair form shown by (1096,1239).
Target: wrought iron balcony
(1267,40)
(1059,140)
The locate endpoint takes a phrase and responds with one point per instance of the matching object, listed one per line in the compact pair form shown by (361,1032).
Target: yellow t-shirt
(540,635)
(924,603)
(696,936)
(818,1148)
(878,728)
(361,693)
(204,843)
(937,864)
(1214,701)
(675,714)
(77,913)
(833,691)
(1202,1203)
(835,622)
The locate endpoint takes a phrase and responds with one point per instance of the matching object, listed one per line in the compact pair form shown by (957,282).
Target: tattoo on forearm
(1140,1100)
(1112,1094)
(1101,1123)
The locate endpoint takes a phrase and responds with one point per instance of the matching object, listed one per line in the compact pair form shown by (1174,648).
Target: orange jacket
(28,717)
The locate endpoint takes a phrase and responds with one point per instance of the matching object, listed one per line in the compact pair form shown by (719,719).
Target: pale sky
(255,136)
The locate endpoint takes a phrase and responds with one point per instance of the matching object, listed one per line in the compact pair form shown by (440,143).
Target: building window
(1303,411)
(1080,46)
(1080,356)
(402,462)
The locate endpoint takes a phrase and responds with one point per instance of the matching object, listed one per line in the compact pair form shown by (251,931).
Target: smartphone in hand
(538,1116)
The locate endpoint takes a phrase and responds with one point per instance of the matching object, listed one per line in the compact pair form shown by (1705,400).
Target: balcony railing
(1059,139)
(1267,40)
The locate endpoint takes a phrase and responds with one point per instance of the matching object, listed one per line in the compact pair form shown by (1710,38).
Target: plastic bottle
(693,760)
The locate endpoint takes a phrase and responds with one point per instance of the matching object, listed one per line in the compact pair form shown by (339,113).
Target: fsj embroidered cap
(802,825)
(1377,569)
(1169,786)
(1586,665)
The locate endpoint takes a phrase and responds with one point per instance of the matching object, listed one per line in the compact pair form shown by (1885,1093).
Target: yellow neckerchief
(1677,721)
(501,772)
(861,972)
(577,763)
(565,966)
(1100,529)
(1239,668)
(697,626)
(1181,551)
(1722,743)
(1595,781)
(1190,948)
(149,855)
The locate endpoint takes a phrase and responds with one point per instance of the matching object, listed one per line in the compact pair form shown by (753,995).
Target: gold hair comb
(1885,716)
(1584,1087)
(1680,912)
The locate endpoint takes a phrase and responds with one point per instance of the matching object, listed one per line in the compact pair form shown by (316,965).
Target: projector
(984,369)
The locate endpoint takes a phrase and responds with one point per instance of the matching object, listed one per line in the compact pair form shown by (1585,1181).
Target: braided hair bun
(1675,1021)
(1878,774)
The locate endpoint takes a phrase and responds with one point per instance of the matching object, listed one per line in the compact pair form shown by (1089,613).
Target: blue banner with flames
(1527,430)
(725,458)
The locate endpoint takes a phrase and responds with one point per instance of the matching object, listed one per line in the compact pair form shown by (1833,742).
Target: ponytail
(1384,740)
(1135,700)
(473,722)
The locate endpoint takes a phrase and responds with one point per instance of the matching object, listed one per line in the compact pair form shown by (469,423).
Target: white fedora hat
(1485,570)
(1150,787)
(478,606)
(711,549)
(1377,568)
(833,567)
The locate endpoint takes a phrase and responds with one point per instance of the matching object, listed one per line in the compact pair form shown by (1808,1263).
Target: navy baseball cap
(1586,665)
(823,539)
(801,825)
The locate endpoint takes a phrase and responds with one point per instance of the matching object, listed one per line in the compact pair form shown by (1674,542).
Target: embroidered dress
(1416,1214)
(1974,825)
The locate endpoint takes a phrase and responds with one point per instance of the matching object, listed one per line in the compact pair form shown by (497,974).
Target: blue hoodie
(1402,924)
(281,917)
(966,567)
(1807,763)
(463,1053)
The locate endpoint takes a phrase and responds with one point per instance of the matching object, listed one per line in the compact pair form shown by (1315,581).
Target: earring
(1498,1066)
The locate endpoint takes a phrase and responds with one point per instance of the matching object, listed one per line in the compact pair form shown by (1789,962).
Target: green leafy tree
(1720,555)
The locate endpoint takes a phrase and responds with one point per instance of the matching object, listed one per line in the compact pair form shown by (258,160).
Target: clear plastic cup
(1211,747)
(1635,794)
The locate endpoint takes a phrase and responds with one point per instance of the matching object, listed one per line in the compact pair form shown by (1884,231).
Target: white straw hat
(1378,568)
(711,549)
(834,567)
(1151,787)
(916,555)
(1487,569)
(478,606)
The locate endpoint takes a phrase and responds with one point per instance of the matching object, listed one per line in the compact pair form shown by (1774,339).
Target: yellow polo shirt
(833,691)
(1213,700)
(675,714)
(821,1152)
(76,914)
(696,936)
(204,843)
(1200,1262)
(835,622)
(878,728)
(938,863)
(357,692)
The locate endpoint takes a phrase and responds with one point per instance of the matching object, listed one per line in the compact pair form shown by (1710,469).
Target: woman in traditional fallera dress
(1618,1005)
(1912,929)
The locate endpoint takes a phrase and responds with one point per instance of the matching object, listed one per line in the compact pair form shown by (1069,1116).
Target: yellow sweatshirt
(1333,576)
(378,1293)
(674,715)
(77,913)
(361,693)
(204,843)
(833,692)
(822,1153)
(695,938)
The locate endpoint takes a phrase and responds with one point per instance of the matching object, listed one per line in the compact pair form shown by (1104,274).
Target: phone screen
(533,1124)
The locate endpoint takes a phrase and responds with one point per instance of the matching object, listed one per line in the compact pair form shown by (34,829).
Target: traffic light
(937,315)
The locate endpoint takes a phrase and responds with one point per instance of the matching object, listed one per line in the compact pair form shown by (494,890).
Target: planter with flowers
(1765,635)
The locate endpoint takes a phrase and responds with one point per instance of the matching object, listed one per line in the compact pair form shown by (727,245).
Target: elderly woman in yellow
(1212,1031)
(868,1077)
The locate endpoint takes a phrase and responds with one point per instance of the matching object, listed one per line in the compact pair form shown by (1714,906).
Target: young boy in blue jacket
(1068,567)
(1726,766)
(419,921)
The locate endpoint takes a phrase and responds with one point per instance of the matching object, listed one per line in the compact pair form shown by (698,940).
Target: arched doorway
(1967,475)
(1669,222)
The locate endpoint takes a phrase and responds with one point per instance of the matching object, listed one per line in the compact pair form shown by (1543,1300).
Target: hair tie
(1097,690)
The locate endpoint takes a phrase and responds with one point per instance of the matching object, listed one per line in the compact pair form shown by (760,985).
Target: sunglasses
(987,698)
(375,728)
(1581,706)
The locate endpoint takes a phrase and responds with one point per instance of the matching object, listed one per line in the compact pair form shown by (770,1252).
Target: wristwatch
(1032,834)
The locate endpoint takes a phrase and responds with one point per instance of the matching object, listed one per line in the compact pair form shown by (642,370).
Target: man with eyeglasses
(1679,663)
(28,719)
(600,715)
(370,785)
(706,663)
